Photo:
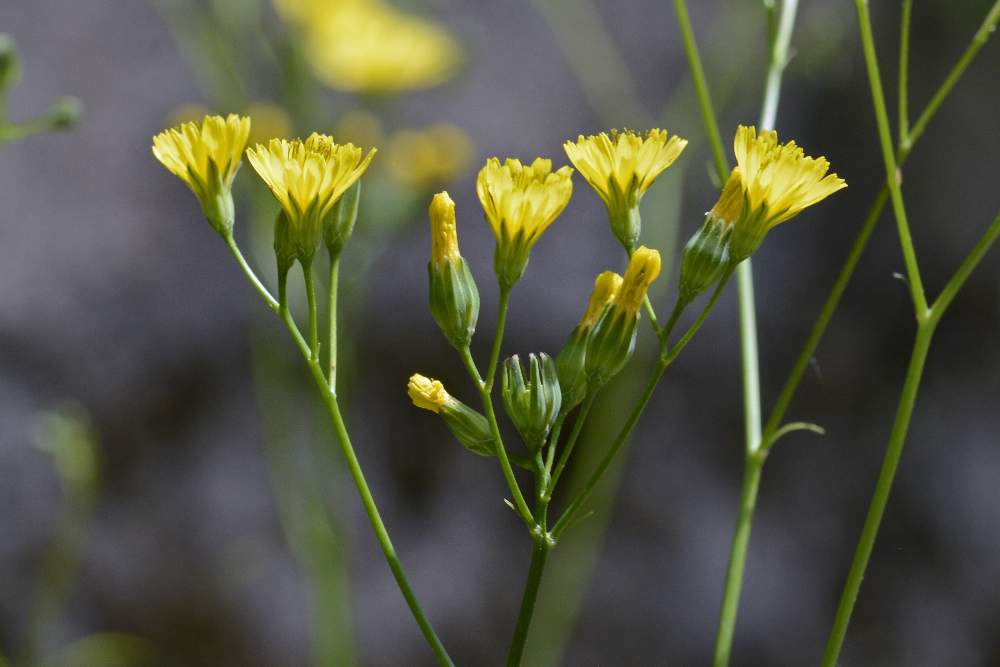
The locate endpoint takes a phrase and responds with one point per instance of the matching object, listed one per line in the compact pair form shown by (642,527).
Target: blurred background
(172,495)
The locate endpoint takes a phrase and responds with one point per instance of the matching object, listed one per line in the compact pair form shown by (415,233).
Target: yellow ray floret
(642,270)
(427,393)
(444,236)
(620,166)
(204,155)
(523,200)
(606,287)
(780,180)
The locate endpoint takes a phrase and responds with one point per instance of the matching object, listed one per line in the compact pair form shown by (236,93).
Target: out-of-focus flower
(207,156)
(520,202)
(269,121)
(778,181)
(621,167)
(10,63)
(307,178)
(369,46)
(430,157)
(360,127)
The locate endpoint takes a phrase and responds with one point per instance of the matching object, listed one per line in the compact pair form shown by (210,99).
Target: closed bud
(454,297)
(468,426)
(10,63)
(705,258)
(570,362)
(532,402)
(65,113)
(339,222)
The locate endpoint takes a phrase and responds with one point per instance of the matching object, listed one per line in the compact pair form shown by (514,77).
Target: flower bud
(65,113)
(705,258)
(468,426)
(339,222)
(613,340)
(571,359)
(10,63)
(532,404)
(454,297)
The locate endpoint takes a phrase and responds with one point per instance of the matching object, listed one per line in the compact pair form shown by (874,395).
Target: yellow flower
(444,237)
(207,157)
(621,167)
(307,178)
(606,287)
(778,181)
(269,121)
(642,270)
(428,394)
(429,157)
(454,297)
(369,46)
(520,202)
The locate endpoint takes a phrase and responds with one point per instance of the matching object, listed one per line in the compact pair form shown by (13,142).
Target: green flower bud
(532,405)
(339,222)
(10,63)
(65,113)
(705,258)
(468,426)
(454,297)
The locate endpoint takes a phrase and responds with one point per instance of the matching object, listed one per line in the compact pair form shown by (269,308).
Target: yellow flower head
(307,178)
(427,393)
(429,157)
(206,156)
(729,208)
(269,121)
(621,166)
(642,270)
(520,202)
(444,237)
(370,46)
(606,287)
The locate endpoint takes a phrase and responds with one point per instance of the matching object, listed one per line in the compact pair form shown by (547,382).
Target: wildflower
(778,181)
(268,121)
(613,340)
(307,178)
(10,63)
(706,256)
(571,359)
(621,167)
(429,157)
(454,297)
(469,427)
(532,403)
(207,156)
(520,202)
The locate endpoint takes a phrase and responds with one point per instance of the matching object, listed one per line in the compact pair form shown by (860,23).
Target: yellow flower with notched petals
(307,178)
(206,156)
(427,393)
(778,181)
(520,202)
(621,166)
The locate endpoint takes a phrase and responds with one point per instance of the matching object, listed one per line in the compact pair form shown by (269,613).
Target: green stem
(749,356)
(502,307)
(964,270)
(737,559)
(675,315)
(310,285)
(914,280)
(904,72)
(251,276)
(693,329)
(574,435)
(331,313)
(539,554)
(873,520)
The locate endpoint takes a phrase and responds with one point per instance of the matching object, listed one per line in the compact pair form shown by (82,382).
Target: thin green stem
(737,559)
(653,322)
(904,72)
(581,419)
(550,455)
(331,314)
(520,505)
(965,269)
(914,280)
(539,554)
(701,90)
(310,285)
(502,307)
(693,329)
(873,520)
(675,316)
(251,276)
(749,356)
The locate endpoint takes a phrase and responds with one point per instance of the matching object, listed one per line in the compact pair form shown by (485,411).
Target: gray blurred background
(117,297)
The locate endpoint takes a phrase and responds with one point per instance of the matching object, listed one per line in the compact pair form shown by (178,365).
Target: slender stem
(904,72)
(737,559)
(963,272)
(749,356)
(353,465)
(885,138)
(310,285)
(693,329)
(550,455)
(331,313)
(873,520)
(653,322)
(668,329)
(581,419)
(502,307)
(701,89)
(539,554)
(484,394)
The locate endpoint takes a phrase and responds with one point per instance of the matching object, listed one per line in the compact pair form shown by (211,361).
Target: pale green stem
(310,285)
(964,270)
(550,455)
(581,419)
(904,72)
(331,313)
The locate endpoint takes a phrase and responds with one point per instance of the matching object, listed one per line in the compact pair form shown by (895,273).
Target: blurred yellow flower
(520,202)
(430,157)
(369,46)
(642,270)
(307,178)
(360,127)
(621,167)
(268,121)
(207,156)
(427,393)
